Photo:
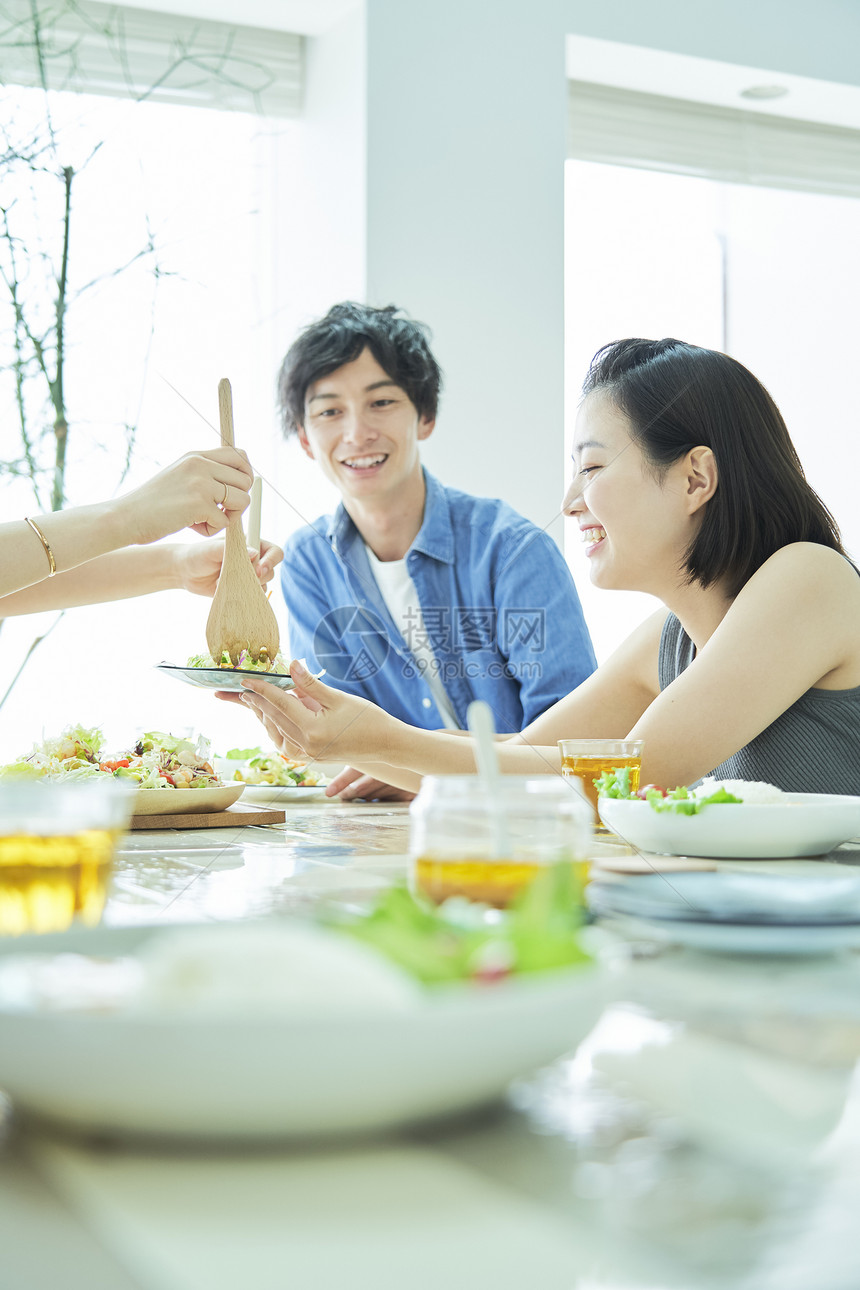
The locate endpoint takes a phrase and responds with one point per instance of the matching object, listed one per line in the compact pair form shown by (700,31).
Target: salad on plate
(156,761)
(615,784)
(272,770)
(245,662)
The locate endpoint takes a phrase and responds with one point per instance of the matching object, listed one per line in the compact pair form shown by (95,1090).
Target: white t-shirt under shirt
(401,598)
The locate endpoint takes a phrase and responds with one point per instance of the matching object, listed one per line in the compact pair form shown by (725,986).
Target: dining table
(705,1134)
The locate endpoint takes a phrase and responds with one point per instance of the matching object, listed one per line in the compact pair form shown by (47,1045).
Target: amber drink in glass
(57,843)
(587,759)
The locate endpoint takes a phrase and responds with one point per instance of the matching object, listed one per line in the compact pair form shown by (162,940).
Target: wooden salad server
(241,616)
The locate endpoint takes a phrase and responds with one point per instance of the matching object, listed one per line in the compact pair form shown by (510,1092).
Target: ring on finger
(223,501)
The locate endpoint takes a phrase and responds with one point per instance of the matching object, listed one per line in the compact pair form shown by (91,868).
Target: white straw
(479,719)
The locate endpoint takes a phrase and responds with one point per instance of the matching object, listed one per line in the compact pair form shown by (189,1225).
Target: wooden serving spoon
(241,616)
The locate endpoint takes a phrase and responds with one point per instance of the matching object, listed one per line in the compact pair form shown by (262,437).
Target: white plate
(250,1077)
(272,793)
(226,767)
(741,938)
(807,824)
(744,897)
(180,801)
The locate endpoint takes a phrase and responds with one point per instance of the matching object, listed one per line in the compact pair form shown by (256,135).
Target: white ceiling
(655,71)
(304,17)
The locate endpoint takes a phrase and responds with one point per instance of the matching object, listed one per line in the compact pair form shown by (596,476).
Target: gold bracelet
(48,552)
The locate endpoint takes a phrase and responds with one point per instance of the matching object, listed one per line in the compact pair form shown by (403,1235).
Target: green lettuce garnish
(173,744)
(538,932)
(679,801)
(19,770)
(614,783)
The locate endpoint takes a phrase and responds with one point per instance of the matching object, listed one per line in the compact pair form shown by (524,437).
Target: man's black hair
(399,345)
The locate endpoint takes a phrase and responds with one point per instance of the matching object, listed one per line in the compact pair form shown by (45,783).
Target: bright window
(203,182)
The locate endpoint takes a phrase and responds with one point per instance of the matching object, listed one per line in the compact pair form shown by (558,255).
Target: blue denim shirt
(500,612)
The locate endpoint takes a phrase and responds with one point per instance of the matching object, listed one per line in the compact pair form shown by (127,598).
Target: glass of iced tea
(465,842)
(587,759)
(57,843)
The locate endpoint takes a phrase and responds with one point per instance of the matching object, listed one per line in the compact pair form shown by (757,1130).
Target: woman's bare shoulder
(806,585)
(807,565)
(809,555)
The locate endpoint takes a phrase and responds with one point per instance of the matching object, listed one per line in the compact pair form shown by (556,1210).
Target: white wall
(466,121)
(322,205)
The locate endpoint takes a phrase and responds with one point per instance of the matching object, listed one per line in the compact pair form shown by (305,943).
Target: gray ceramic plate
(222,678)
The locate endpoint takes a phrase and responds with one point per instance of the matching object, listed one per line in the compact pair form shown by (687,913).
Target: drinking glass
(587,759)
(57,843)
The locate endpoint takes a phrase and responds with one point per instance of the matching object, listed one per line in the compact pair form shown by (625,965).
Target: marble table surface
(705,1134)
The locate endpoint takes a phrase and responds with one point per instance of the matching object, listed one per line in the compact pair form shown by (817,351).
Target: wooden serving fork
(241,616)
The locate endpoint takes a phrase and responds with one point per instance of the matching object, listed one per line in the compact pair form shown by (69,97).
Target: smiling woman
(688,487)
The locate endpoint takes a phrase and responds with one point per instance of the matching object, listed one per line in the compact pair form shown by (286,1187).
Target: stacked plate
(737,912)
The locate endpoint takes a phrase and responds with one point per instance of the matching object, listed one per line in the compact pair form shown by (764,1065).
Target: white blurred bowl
(198,1076)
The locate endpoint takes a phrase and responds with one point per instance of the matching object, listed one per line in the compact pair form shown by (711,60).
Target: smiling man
(413,594)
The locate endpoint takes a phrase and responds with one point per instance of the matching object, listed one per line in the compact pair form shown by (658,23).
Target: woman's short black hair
(677,397)
(399,345)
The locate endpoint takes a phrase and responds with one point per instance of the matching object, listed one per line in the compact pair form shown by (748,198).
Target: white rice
(747,790)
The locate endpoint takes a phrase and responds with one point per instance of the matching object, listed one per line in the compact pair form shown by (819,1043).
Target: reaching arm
(374,785)
(315,721)
(135,571)
(794,626)
(318,723)
(199,491)
(612,699)
(755,665)
(311,634)
(547,647)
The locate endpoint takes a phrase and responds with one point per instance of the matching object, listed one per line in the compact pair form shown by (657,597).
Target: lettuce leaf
(679,801)
(539,932)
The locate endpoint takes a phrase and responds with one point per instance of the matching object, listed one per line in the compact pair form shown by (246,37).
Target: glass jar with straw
(467,841)
(486,836)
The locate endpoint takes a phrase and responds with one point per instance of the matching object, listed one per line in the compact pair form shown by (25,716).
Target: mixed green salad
(273,769)
(539,931)
(157,760)
(677,801)
(244,662)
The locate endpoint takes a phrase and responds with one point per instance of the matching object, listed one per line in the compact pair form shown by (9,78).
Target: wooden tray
(231,818)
